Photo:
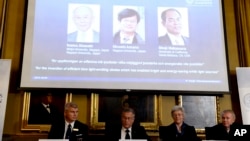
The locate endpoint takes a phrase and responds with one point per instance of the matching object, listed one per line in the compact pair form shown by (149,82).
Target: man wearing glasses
(126,129)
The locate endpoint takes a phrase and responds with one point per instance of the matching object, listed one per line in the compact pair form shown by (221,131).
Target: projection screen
(170,45)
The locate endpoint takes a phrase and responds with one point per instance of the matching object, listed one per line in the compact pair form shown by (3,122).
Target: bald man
(83,18)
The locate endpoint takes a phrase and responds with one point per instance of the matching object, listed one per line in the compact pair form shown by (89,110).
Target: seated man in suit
(224,130)
(178,130)
(126,129)
(69,127)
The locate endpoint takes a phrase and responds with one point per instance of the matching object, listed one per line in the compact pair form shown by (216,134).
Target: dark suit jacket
(38,114)
(165,41)
(72,37)
(137,39)
(113,133)
(218,132)
(169,133)
(57,131)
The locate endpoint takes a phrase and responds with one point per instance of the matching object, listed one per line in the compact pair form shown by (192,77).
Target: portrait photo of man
(112,105)
(44,108)
(81,24)
(128,21)
(172,22)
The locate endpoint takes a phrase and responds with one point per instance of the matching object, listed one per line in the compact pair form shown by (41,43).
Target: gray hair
(228,111)
(177,108)
(126,110)
(70,105)
(80,8)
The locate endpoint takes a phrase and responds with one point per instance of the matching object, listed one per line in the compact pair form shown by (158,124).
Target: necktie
(68,132)
(127,134)
(125,40)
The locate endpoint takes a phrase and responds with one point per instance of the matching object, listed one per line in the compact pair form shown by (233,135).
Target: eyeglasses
(128,118)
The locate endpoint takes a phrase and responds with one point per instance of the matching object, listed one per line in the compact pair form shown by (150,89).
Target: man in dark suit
(224,130)
(171,20)
(129,20)
(127,129)
(69,127)
(43,112)
(178,130)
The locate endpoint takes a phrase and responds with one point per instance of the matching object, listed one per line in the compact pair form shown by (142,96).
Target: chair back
(208,133)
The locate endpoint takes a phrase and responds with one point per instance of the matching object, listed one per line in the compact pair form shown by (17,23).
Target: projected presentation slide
(125,45)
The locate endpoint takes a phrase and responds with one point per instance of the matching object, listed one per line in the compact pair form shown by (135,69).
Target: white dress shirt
(86,37)
(176,40)
(124,39)
(46,107)
(123,132)
(66,127)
